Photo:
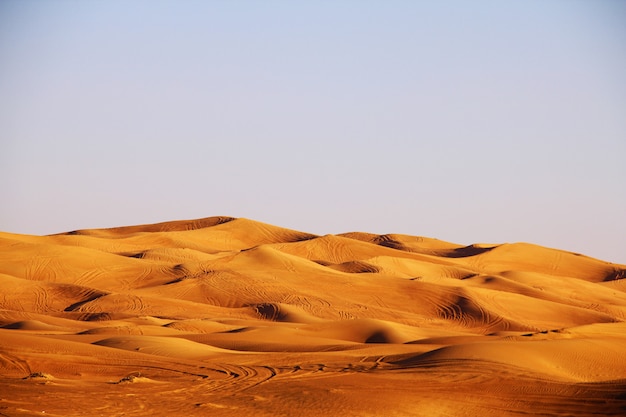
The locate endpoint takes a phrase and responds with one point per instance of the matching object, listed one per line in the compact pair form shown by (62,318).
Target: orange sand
(232,317)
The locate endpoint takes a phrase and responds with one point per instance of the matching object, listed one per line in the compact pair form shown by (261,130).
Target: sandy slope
(233,317)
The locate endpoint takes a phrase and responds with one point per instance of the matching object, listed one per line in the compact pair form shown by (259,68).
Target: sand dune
(233,317)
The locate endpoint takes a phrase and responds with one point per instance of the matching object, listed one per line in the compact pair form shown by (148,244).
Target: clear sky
(482,121)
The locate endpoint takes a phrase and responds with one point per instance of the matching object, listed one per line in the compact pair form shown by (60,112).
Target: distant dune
(233,317)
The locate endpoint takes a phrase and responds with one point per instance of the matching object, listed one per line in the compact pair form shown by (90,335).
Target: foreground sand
(231,317)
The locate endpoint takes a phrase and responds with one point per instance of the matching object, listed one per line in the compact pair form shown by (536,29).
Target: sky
(482,121)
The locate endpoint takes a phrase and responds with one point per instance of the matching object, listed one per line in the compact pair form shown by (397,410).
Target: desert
(229,316)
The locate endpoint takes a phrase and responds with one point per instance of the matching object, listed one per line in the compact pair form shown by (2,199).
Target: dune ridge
(230,316)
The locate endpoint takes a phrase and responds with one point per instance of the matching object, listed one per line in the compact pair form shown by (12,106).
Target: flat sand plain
(233,317)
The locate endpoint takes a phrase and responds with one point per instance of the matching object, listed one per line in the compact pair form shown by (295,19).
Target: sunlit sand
(233,317)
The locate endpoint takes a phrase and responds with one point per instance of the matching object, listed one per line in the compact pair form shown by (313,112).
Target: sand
(233,317)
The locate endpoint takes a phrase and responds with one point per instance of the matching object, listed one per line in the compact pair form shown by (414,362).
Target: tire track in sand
(239,378)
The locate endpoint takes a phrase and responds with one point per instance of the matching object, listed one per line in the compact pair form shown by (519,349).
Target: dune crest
(234,317)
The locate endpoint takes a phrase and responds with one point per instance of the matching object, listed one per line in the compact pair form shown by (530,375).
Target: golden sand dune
(232,317)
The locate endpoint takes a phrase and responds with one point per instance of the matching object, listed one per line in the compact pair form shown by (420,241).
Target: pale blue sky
(482,121)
